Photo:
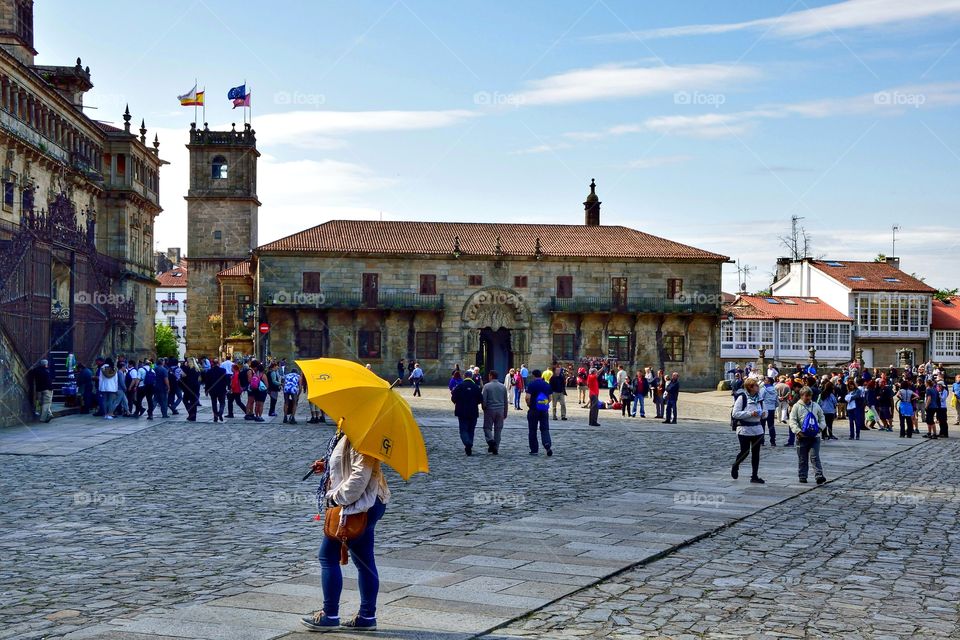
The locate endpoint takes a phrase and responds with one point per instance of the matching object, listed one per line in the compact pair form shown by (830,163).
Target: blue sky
(706,122)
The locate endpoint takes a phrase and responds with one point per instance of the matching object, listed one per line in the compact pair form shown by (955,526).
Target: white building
(172,303)
(945,345)
(890,309)
(786,327)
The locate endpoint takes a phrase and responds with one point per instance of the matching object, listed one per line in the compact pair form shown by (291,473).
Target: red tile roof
(109,128)
(785,308)
(946,315)
(239,269)
(438,238)
(876,276)
(176,277)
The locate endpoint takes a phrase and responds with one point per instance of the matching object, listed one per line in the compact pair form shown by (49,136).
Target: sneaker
(756,480)
(258,419)
(359,623)
(821,480)
(734,472)
(803,481)
(490,445)
(320,622)
(249,416)
(272,414)
(285,419)
(534,453)
(293,420)
(549,451)
(108,417)
(564,418)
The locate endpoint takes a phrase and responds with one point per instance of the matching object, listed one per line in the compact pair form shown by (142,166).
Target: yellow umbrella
(376,418)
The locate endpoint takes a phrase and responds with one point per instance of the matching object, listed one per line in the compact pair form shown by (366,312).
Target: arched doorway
(496,330)
(496,353)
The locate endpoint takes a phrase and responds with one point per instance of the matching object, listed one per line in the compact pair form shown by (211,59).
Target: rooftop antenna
(743,272)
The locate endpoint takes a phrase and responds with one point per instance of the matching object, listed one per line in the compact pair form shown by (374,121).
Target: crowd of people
(544,393)
(810,403)
(125,388)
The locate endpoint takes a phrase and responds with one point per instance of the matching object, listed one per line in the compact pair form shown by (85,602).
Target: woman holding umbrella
(355,483)
(375,426)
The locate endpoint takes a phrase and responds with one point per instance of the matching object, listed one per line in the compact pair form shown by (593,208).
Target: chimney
(173,254)
(783,269)
(591,207)
(893,262)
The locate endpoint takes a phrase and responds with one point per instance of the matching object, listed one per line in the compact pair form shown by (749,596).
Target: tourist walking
(84,388)
(783,399)
(215,382)
(274,387)
(769,418)
(354,482)
(854,408)
(455,379)
(582,386)
(611,380)
(639,393)
(42,382)
(626,396)
(494,401)
(161,392)
(956,398)
(931,402)
(944,394)
(175,391)
(416,377)
(558,392)
(906,401)
(828,404)
(401,368)
(292,388)
(806,421)
(466,398)
(190,387)
(109,387)
(537,398)
(671,394)
(745,418)
(593,395)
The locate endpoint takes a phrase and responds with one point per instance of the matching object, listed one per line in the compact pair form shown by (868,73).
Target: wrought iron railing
(638,304)
(169,306)
(387,300)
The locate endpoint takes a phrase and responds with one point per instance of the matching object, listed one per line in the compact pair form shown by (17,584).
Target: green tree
(944,295)
(881,257)
(165,342)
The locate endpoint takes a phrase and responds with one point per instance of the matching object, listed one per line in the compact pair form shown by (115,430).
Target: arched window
(219,168)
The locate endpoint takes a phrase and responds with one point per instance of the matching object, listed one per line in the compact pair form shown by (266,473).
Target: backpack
(810,427)
(543,402)
(261,386)
(149,378)
(291,383)
(128,379)
(235,382)
(734,423)
(253,383)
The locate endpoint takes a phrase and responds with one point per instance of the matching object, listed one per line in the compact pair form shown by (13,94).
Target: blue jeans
(855,416)
(516,397)
(161,397)
(638,399)
(176,397)
(468,426)
(361,549)
(806,447)
(539,419)
(671,411)
(768,420)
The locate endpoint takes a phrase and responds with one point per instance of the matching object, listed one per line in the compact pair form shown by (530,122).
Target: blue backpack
(149,378)
(543,402)
(810,427)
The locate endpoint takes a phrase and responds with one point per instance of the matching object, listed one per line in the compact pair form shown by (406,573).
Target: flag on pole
(242,102)
(237,92)
(192,98)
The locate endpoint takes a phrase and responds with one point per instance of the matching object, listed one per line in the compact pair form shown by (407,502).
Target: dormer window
(219,168)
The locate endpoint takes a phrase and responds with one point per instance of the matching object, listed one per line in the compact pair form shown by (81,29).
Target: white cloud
(851,14)
(888,102)
(652,162)
(621,81)
(308,128)
(541,148)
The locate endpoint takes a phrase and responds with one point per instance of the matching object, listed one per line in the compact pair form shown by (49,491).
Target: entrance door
(371,286)
(495,353)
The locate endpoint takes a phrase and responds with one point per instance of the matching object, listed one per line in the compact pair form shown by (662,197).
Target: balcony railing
(386,300)
(169,306)
(640,304)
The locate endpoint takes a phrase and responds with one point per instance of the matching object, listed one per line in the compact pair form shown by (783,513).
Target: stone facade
(307,324)
(222,209)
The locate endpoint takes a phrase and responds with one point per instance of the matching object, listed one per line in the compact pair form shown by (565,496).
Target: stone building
(493,294)
(79,198)
(172,302)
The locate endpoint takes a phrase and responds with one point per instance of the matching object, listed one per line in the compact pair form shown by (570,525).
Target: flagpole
(204,105)
(195,85)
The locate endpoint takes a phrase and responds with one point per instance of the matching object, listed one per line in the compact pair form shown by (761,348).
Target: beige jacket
(356,480)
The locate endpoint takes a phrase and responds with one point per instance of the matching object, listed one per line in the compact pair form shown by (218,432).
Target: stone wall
(14,403)
(525,314)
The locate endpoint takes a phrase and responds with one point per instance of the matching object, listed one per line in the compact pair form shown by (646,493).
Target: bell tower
(222,210)
(591,207)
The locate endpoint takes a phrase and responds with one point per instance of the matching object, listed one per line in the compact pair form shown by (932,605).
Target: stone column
(858,356)
(762,361)
(813,357)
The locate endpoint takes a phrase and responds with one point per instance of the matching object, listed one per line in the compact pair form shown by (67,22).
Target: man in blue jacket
(671,394)
(466,398)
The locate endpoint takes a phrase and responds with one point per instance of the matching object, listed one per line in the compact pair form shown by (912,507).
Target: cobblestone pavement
(183,511)
(878,558)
